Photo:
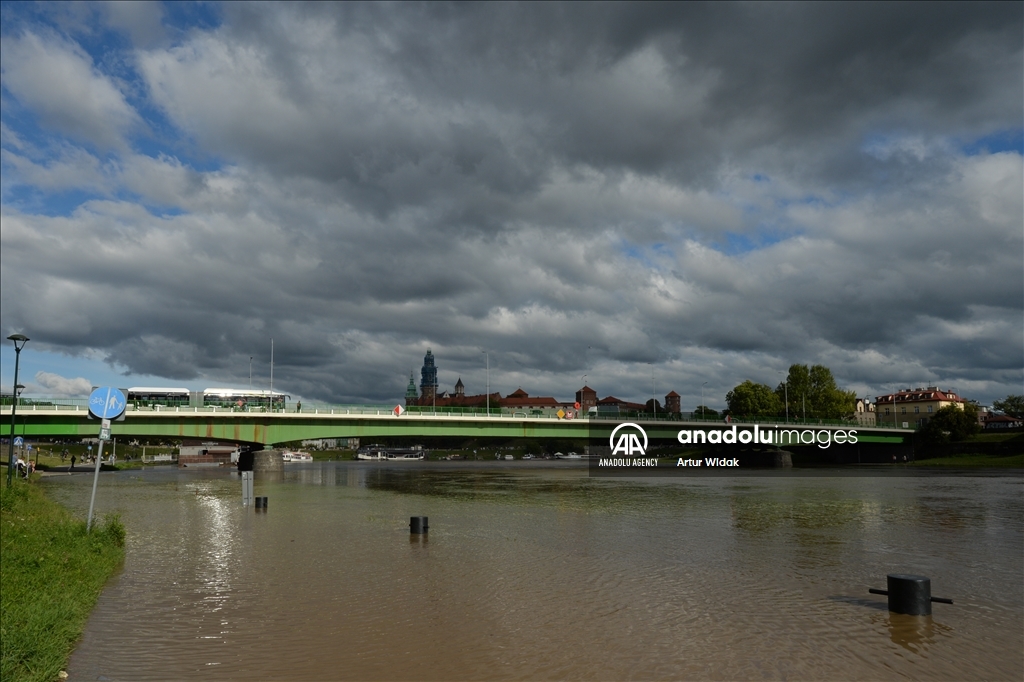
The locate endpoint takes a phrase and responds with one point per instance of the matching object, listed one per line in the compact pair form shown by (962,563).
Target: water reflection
(915,633)
(545,573)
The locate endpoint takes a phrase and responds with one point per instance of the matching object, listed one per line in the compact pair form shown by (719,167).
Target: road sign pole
(95,480)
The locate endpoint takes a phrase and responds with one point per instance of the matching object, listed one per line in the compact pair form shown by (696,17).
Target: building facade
(864,412)
(913,407)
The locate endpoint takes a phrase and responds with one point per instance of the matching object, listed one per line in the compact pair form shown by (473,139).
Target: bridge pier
(268,460)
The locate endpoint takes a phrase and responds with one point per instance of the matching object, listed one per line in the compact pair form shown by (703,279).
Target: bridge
(67,420)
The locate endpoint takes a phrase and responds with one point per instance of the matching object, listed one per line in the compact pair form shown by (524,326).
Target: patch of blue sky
(651,256)
(34,201)
(736,244)
(183,17)
(97,371)
(806,200)
(25,124)
(994,143)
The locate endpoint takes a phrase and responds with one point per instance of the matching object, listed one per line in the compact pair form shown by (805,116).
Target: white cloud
(62,387)
(56,79)
(142,20)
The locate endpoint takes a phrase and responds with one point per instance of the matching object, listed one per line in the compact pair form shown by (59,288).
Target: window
(931,408)
(887,411)
(903,410)
(916,409)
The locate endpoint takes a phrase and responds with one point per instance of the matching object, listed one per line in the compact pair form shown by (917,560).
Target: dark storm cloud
(717,189)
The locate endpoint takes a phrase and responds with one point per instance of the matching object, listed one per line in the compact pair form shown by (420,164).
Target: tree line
(807,393)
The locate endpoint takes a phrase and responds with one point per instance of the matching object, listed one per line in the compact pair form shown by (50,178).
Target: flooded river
(539,572)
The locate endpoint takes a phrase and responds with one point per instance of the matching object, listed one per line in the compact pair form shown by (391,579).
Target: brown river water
(539,572)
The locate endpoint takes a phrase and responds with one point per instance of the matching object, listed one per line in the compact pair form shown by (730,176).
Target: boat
(381,453)
(296,456)
(397,456)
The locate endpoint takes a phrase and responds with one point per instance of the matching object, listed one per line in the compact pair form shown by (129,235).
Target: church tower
(428,379)
(411,397)
(460,389)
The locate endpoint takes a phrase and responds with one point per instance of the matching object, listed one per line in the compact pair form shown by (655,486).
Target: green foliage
(113,530)
(950,423)
(1012,406)
(50,577)
(753,400)
(704,412)
(814,389)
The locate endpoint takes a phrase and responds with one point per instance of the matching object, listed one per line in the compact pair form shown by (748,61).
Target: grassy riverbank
(967,461)
(50,577)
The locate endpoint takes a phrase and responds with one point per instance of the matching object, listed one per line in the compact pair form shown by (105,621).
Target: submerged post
(910,594)
(247,499)
(418,525)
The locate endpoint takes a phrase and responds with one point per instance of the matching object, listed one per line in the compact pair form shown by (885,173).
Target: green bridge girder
(272,428)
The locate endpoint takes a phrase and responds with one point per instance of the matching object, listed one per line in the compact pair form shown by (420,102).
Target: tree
(951,423)
(1013,406)
(703,411)
(753,400)
(813,391)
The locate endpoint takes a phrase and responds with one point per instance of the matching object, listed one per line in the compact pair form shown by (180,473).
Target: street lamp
(250,374)
(654,393)
(487,359)
(703,409)
(785,385)
(19,342)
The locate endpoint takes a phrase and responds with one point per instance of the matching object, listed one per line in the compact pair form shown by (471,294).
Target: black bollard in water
(418,525)
(910,594)
(261,503)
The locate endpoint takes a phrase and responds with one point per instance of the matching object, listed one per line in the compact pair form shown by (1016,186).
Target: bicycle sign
(106,402)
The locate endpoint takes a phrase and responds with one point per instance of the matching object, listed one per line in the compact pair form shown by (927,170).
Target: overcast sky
(655,196)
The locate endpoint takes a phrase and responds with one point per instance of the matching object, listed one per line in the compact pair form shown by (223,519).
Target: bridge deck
(280,427)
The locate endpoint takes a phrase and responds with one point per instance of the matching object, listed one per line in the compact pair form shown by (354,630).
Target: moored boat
(296,456)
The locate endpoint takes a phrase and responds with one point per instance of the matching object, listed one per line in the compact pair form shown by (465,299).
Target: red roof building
(913,406)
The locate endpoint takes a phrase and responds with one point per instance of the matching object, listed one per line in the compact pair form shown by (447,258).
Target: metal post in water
(418,525)
(95,480)
(910,594)
(247,498)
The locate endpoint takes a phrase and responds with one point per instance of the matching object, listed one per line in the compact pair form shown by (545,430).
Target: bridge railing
(82,405)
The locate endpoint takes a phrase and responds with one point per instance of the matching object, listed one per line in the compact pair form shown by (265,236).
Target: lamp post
(487,359)
(654,393)
(785,385)
(703,409)
(250,374)
(19,342)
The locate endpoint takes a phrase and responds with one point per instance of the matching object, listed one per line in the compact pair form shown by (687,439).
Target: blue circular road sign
(106,402)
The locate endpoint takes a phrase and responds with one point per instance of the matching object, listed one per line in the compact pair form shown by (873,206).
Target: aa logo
(628,442)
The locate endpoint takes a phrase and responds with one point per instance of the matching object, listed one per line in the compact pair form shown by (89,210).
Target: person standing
(72,464)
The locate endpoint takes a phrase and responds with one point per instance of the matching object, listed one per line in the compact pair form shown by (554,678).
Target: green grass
(50,577)
(973,460)
(996,436)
